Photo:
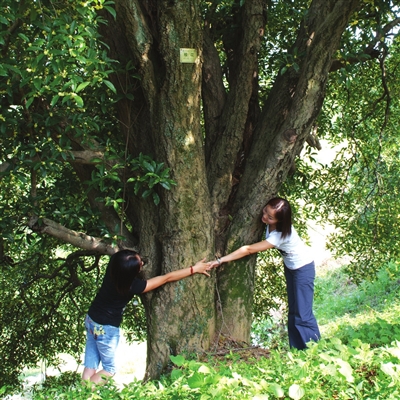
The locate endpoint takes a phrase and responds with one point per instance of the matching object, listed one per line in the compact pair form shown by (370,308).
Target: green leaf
(110,86)
(115,205)
(54,100)
(166,185)
(111,11)
(29,102)
(176,374)
(156,199)
(78,101)
(82,86)
(196,381)
(13,68)
(178,360)
(146,193)
(204,369)
(137,187)
(148,166)
(389,369)
(296,392)
(3,72)
(24,37)
(346,370)
(276,390)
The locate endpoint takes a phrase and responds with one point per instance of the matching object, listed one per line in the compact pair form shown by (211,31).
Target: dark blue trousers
(302,325)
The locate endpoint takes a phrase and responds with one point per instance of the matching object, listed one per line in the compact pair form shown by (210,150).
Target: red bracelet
(191,270)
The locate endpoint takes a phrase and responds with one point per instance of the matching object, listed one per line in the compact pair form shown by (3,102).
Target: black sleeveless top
(108,305)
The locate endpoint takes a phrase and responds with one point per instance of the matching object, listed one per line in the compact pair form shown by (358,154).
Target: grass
(369,311)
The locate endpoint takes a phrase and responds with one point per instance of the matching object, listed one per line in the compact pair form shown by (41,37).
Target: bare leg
(95,377)
(101,377)
(88,373)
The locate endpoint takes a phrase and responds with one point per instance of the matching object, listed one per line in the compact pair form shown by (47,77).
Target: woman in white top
(299,269)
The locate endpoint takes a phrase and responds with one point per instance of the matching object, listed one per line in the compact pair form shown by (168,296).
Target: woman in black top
(121,282)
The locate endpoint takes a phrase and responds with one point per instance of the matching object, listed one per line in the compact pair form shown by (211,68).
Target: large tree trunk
(225,175)
(166,125)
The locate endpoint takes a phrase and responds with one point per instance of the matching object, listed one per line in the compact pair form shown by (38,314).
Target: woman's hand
(213,264)
(201,267)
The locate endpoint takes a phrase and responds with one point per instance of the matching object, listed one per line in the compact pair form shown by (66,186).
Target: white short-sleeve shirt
(294,251)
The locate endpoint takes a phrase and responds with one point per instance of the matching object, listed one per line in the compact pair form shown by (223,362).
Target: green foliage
(270,332)
(367,312)
(55,81)
(341,366)
(270,286)
(59,93)
(56,91)
(357,192)
(328,369)
(44,306)
(54,54)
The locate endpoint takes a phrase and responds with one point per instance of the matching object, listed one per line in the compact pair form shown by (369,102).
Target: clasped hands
(203,266)
(214,264)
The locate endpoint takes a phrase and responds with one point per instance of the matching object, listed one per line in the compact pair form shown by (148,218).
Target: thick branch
(4,167)
(139,34)
(77,239)
(232,123)
(86,157)
(213,92)
(362,57)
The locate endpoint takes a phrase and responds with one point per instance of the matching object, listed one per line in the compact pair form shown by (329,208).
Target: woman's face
(141,263)
(268,216)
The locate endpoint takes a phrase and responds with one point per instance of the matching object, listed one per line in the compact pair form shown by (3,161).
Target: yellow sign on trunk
(188,55)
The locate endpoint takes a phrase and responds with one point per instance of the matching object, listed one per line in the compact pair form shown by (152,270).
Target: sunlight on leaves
(296,392)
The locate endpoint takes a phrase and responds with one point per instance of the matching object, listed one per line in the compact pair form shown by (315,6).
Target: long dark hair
(283,213)
(124,268)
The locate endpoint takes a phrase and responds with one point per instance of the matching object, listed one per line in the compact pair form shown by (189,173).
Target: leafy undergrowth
(369,312)
(329,369)
(358,357)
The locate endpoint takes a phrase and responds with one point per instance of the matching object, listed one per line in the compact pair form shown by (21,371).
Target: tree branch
(4,167)
(77,239)
(232,123)
(140,40)
(213,92)
(289,113)
(369,50)
(84,157)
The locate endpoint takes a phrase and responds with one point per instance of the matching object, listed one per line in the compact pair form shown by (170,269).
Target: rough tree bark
(165,122)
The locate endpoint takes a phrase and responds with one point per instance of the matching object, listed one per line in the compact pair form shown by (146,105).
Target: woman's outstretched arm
(199,268)
(241,252)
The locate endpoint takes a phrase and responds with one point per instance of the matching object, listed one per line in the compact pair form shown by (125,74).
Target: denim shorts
(101,345)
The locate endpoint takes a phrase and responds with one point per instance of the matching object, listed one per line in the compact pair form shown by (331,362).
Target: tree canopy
(110,141)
